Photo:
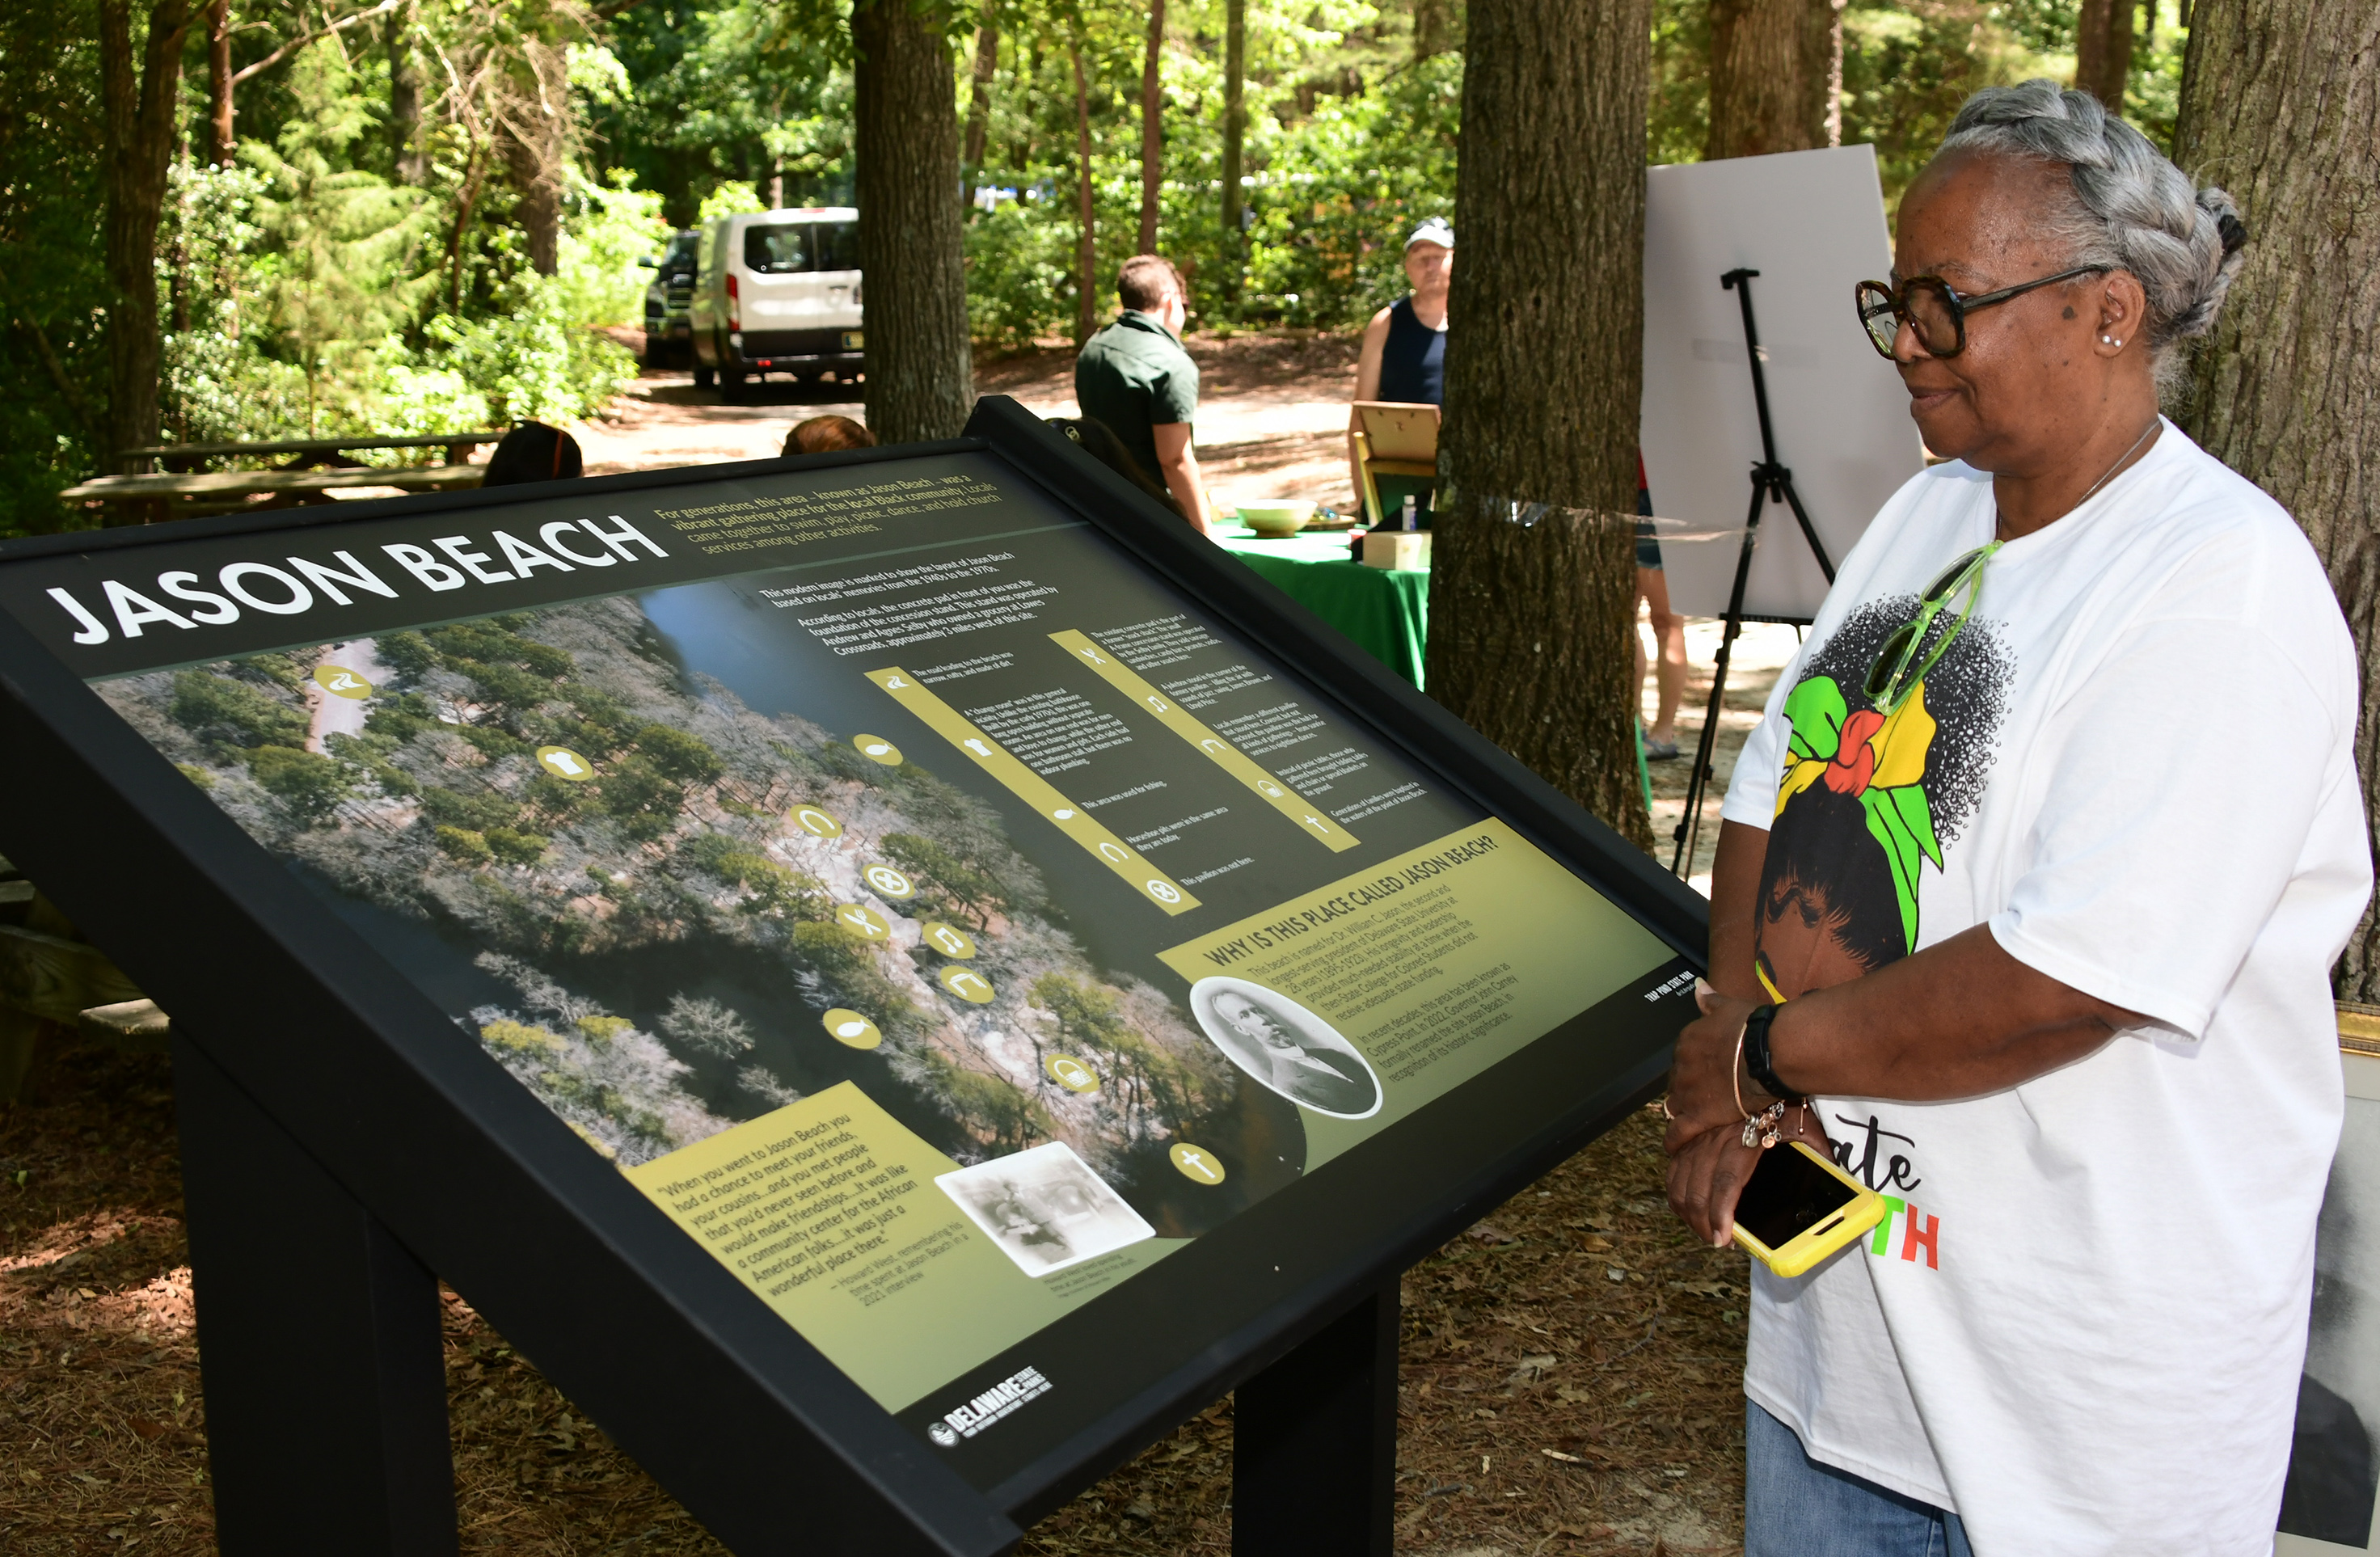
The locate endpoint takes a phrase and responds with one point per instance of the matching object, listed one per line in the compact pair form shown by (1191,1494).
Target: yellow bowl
(1276,519)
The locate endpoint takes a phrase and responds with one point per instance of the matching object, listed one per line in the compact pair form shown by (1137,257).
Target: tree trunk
(410,158)
(1235,136)
(1433,28)
(1776,77)
(1152,129)
(921,374)
(2102,49)
(537,177)
(222,141)
(986,66)
(1086,280)
(1532,602)
(2280,104)
(139,143)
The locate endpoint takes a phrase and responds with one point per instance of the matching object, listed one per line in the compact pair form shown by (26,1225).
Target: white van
(778,292)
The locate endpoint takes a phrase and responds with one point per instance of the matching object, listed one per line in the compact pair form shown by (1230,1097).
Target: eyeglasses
(1898,672)
(1935,311)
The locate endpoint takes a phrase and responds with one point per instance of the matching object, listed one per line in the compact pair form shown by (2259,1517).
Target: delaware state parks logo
(991,1405)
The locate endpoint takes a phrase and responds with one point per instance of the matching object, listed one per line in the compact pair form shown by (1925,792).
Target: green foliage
(53,284)
(678,755)
(310,786)
(515,847)
(463,844)
(1677,120)
(229,715)
(1339,193)
(1907,67)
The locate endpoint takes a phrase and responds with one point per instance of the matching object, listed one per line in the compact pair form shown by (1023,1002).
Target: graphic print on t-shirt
(1866,801)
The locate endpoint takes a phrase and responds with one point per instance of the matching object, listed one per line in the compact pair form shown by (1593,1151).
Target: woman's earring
(2109,339)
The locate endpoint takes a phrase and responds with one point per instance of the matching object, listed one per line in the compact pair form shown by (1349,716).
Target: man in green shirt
(1135,377)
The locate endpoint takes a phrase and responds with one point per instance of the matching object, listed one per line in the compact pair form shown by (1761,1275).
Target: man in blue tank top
(1405,351)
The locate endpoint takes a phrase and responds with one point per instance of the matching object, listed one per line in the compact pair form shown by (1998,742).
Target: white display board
(1812,224)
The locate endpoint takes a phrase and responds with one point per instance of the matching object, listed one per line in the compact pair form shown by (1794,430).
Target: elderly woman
(2027,890)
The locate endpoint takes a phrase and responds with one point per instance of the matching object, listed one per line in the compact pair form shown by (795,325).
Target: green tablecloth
(1384,611)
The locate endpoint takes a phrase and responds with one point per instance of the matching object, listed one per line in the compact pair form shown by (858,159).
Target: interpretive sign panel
(985,941)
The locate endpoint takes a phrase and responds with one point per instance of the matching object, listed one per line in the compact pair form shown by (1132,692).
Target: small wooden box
(1396,548)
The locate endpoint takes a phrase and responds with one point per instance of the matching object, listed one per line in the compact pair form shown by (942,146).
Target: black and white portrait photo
(1286,1048)
(1045,1208)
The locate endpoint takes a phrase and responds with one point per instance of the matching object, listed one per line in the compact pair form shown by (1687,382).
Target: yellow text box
(1309,816)
(1034,791)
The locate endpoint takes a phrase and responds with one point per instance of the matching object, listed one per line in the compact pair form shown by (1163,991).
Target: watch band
(1757,1058)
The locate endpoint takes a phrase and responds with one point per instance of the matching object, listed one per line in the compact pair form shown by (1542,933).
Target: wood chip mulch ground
(1570,1379)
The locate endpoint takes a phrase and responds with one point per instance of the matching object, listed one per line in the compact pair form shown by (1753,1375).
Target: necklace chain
(2146,433)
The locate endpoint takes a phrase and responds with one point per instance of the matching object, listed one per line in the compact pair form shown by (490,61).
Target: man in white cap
(1404,348)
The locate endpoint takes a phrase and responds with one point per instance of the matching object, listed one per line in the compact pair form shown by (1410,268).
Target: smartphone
(1798,1207)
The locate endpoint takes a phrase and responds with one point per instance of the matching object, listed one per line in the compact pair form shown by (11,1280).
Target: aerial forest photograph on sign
(662,945)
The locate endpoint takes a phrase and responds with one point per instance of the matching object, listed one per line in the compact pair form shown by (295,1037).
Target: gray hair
(2132,209)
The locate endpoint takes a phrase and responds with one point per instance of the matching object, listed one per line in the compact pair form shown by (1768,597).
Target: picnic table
(1385,611)
(53,981)
(311,471)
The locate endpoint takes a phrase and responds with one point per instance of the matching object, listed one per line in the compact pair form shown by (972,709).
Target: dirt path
(1272,418)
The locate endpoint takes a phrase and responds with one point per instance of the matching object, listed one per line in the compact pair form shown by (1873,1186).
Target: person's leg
(1795,1508)
(1670,644)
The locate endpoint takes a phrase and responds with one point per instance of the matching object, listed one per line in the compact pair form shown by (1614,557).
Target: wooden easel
(1392,438)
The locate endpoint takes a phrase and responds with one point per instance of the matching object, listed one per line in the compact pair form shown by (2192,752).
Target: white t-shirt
(2081,1326)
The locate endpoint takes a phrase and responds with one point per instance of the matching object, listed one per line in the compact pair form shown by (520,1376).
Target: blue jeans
(1795,1508)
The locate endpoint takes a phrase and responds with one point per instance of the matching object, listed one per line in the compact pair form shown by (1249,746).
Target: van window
(835,245)
(776,250)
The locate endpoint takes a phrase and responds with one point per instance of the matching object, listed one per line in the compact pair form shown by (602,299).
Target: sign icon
(1111,851)
(342,681)
(1212,745)
(876,748)
(1092,655)
(851,1029)
(1072,1074)
(1165,892)
(814,822)
(1156,702)
(972,987)
(1270,788)
(1195,1162)
(894,684)
(950,943)
(978,747)
(863,920)
(942,1433)
(1064,813)
(564,764)
(889,882)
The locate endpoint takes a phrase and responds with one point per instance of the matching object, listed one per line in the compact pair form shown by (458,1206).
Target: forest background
(403,216)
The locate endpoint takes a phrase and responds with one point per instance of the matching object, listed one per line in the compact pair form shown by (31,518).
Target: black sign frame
(313,1059)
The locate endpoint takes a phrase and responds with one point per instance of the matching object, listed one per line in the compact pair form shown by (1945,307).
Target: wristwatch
(1756,1057)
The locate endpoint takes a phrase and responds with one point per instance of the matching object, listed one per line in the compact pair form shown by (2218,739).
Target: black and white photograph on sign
(1812,224)
(1045,1208)
(2333,1477)
(1286,1048)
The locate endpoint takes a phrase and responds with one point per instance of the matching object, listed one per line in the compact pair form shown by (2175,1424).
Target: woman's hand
(1703,1077)
(1708,1162)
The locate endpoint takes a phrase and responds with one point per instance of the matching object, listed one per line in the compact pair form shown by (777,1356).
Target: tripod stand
(1771,483)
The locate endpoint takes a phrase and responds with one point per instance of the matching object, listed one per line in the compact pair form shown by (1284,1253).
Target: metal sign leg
(1314,1448)
(319,1345)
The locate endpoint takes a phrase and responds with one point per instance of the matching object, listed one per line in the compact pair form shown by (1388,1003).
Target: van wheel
(731,384)
(701,374)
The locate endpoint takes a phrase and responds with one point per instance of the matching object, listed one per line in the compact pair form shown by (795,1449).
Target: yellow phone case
(1815,1244)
